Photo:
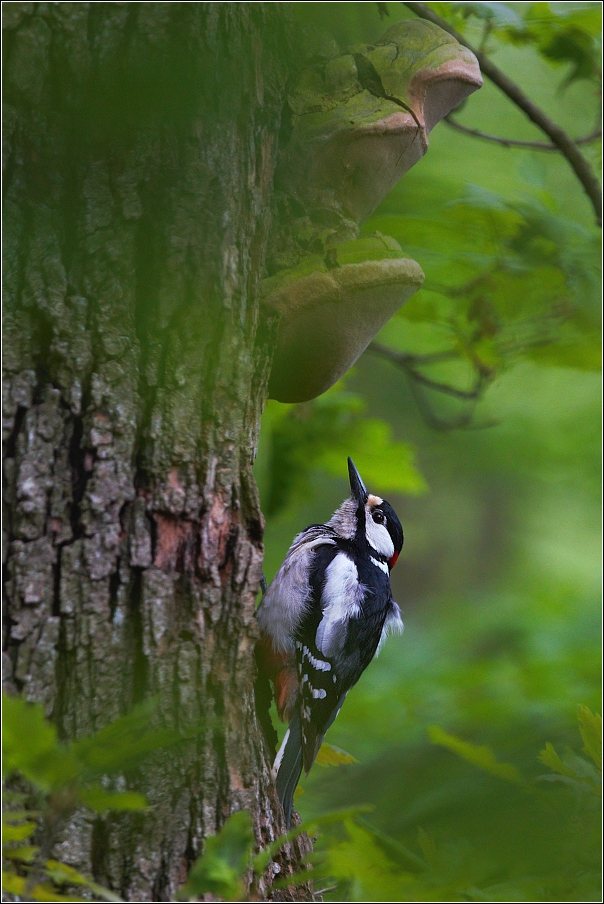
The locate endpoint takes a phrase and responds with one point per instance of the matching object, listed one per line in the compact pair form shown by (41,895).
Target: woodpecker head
(369,520)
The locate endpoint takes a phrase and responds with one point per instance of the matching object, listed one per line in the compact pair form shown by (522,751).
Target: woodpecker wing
(335,641)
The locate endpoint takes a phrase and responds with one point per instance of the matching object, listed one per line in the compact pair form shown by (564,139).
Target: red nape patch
(392,561)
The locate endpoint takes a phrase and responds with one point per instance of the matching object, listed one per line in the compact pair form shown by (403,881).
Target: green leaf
(45,892)
(500,14)
(63,874)
(549,757)
(26,853)
(14,885)
(226,858)
(570,768)
(30,746)
(297,440)
(17,833)
(261,860)
(591,731)
(387,466)
(100,800)
(359,858)
(482,757)
(42,891)
(11,816)
(329,755)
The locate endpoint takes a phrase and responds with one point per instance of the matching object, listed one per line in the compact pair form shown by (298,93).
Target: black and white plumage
(323,619)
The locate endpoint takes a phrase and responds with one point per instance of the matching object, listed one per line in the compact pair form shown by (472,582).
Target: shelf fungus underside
(359,122)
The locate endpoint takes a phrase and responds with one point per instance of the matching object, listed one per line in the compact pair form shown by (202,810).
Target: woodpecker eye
(378,517)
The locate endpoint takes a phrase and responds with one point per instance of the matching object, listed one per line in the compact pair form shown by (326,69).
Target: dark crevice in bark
(153,532)
(140,666)
(81,461)
(56,574)
(66,664)
(227,563)
(114,587)
(42,339)
(219,743)
(10,447)
(98,850)
(189,855)
(161,882)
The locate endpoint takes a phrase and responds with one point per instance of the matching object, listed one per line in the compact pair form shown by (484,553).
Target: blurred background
(498,492)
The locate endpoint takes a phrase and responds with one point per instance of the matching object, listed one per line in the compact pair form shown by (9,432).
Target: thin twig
(409,364)
(410,359)
(516,143)
(564,142)
(405,362)
(463,420)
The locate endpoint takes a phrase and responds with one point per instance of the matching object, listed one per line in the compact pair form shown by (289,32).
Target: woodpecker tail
(288,764)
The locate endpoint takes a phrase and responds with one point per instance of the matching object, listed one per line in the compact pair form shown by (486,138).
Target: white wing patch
(342,595)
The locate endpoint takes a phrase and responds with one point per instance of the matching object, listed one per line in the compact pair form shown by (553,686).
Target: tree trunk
(140,143)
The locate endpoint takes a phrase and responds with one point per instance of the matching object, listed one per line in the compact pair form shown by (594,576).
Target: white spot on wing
(342,597)
(279,756)
(319,693)
(319,664)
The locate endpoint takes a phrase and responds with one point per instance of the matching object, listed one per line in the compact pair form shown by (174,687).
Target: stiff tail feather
(288,764)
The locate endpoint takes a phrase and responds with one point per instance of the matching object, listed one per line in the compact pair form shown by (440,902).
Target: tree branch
(516,143)
(407,362)
(564,142)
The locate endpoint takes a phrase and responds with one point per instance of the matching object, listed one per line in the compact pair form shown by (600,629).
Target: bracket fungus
(359,122)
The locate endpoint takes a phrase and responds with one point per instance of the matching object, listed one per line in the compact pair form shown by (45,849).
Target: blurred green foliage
(320,435)
(499,578)
(368,866)
(562,33)
(58,779)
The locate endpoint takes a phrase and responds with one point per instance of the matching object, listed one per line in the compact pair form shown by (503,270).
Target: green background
(498,581)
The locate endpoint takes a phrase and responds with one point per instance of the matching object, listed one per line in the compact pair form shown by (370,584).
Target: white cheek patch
(342,597)
(378,537)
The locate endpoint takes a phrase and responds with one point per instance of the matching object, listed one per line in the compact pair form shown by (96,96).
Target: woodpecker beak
(357,487)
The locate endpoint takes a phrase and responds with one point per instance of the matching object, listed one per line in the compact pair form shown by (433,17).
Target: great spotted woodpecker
(322,620)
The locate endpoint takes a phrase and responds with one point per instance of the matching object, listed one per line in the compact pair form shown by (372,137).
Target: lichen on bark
(139,155)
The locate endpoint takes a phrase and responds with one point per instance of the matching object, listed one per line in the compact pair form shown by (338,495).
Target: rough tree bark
(140,142)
